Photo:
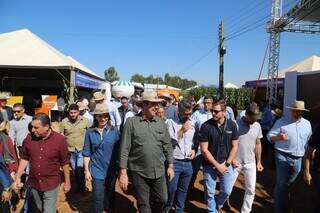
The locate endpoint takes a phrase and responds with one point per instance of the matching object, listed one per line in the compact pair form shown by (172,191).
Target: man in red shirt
(46,151)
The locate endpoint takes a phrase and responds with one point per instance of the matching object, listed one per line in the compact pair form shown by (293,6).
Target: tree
(111,74)
(174,81)
(137,78)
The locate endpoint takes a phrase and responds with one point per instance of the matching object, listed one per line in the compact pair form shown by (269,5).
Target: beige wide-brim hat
(100,109)
(3,96)
(151,97)
(297,105)
(98,96)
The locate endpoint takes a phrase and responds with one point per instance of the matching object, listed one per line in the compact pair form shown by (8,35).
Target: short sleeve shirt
(248,136)
(75,132)
(218,138)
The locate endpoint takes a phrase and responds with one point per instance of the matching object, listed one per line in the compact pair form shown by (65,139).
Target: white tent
(307,65)
(231,85)
(23,49)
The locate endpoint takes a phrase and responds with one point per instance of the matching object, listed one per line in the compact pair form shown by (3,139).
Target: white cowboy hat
(297,105)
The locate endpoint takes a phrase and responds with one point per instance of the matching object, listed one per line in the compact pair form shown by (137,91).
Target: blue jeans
(76,161)
(45,201)
(103,193)
(226,183)
(287,171)
(178,186)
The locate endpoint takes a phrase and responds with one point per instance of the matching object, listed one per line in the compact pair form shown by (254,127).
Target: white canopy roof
(231,85)
(22,48)
(309,64)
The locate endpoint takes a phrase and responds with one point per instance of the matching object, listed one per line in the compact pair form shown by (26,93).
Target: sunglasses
(16,111)
(188,114)
(216,111)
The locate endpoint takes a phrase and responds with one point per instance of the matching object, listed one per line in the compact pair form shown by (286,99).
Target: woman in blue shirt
(100,152)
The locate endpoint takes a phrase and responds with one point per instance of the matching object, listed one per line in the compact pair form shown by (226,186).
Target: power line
(247,15)
(244,11)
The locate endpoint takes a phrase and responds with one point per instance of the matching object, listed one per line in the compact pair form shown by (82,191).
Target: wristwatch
(227,164)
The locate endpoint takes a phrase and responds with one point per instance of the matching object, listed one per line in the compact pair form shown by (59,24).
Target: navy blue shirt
(102,150)
(219,138)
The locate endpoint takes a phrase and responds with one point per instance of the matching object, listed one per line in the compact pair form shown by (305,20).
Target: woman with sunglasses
(100,153)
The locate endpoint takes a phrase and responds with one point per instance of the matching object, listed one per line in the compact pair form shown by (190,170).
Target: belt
(183,160)
(289,155)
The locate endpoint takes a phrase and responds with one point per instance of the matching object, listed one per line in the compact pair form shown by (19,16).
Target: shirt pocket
(140,138)
(159,135)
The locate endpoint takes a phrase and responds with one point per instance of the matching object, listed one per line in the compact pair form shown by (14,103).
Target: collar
(22,118)
(142,118)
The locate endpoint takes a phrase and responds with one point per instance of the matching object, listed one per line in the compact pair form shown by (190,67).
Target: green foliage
(174,81)
(66,93)
(111,74)
(238,97)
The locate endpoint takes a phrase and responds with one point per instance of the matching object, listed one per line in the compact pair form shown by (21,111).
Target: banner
(48,102)
(13,100)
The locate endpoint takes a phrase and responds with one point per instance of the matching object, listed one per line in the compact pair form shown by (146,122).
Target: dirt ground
(302,197)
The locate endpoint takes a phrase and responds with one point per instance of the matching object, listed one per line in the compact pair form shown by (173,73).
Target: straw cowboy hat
(101,109)
(277,112)
(3,96)
(297,105)
(98,96)
(150,97)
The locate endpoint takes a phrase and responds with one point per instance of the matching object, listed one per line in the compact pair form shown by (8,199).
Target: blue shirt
(266,121)
(200,116)
(172,112)
(298,132)
(102,150)
(5,179)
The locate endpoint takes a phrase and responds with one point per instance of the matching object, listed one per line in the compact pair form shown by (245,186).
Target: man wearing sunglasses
(19,125)
(218,139)
(182,134)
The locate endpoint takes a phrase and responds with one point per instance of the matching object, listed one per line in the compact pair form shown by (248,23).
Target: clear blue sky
(156,36)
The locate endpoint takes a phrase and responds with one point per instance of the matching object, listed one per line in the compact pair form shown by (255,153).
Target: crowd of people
(157,144)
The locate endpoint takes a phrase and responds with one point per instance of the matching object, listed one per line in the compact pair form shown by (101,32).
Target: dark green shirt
(145,144)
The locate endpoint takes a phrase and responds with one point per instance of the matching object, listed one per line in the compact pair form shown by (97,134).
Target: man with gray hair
(182,134)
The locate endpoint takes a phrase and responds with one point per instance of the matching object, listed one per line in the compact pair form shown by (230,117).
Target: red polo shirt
(45,157)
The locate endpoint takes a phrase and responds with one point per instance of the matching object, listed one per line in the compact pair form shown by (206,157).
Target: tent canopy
(23,49)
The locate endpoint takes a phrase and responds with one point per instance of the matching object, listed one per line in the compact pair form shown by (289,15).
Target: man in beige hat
(5,111)
(290,136)
(144,148)
(115,117)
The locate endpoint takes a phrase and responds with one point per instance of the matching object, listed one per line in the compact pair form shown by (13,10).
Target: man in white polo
(249,153)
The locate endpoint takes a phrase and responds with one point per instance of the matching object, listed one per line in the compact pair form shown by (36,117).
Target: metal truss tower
(302,18)
(274,51)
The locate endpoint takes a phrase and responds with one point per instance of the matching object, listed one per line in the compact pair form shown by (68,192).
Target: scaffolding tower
(304,17)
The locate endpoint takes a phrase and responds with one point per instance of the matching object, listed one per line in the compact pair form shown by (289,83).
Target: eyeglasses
(16,111)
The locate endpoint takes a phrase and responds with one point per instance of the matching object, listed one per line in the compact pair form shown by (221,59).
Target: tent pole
(72,85)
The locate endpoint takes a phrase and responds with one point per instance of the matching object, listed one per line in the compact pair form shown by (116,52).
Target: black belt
(183,160)
(289,155)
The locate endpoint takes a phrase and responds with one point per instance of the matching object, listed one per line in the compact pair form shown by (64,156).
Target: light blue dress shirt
(298,132)
(182,147)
